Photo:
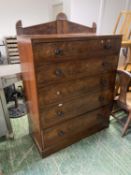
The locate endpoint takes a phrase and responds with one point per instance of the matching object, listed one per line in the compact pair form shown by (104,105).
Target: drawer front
(73,127)
(60,72)
(62,111)
(65,91)
(64,50)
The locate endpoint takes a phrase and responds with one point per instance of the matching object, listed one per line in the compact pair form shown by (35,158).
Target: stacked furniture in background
(12,92)
(69,76)
(123,25)
(122,101)
(12,50)
(6,81)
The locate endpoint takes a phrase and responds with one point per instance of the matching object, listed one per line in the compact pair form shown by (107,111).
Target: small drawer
(60,72)
(75,127)
(56,113)
(65,91)
(70,50)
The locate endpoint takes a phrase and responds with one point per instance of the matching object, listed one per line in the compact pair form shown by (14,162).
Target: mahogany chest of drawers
(69,82)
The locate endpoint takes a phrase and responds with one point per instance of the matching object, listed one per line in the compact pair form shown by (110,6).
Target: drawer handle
(58,92)
(101,99)
(60,105)
(102,42)
(100,115)
(58,51)
(105,64)
(107,45)
(58,72)
(61,133)
(60,113)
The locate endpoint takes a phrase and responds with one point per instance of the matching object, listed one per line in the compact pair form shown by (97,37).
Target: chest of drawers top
(68,37)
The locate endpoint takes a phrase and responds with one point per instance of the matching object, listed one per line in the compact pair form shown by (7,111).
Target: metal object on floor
(19,111)
(5,124)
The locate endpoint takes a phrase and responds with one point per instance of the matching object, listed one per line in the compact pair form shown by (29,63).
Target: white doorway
(57,8)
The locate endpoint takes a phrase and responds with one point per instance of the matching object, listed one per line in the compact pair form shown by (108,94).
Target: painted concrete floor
(104,153)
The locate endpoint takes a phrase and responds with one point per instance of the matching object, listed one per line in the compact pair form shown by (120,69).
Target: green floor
(104,153)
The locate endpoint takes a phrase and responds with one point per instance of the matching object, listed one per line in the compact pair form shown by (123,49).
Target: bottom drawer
(78,126)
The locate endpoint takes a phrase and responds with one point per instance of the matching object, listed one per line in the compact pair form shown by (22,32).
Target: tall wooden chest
(69,82)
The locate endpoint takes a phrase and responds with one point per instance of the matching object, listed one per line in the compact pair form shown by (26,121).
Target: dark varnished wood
(67,130)
(96,91)
(57,92)
(60,72)
(74,138)
(63,110)
(69,81)
(61,25)
(59,51)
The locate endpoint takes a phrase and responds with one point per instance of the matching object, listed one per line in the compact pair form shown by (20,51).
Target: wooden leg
(128,62)
(126,124)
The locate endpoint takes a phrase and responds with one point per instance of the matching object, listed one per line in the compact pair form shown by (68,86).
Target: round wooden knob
(60,113)
(103,82)
(60,104)
(107,45)
(58,92)
(105,65)
(101,99)
(58,72)
(102,42)
(58,51)
(61,133)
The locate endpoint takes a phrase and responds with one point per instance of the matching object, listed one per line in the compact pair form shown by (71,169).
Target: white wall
(103,12)
(85,11)
(81,11)
(57,8)
(110,12)
(66,7)
(29,11)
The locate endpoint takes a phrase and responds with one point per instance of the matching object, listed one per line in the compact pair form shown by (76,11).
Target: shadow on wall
(3,55)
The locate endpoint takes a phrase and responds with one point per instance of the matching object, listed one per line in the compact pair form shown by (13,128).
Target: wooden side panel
(28,73)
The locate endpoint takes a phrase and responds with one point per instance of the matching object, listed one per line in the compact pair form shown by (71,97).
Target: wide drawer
(64,50)
(65,91)
(75,127)
(62,111)
(60,72)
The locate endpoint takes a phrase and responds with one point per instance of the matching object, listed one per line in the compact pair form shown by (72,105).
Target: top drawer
(63,50)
